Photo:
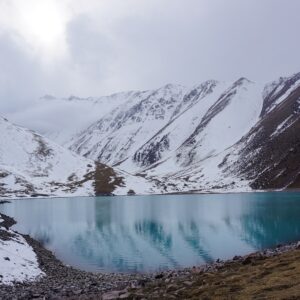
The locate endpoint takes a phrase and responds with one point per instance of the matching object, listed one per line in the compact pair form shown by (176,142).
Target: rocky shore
(272,273)
(64,282)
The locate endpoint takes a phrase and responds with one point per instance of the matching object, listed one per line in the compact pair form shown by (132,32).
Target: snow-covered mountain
(215,136)
(32,165)
(191,124)
(187,139)
(268,156)
(61,118)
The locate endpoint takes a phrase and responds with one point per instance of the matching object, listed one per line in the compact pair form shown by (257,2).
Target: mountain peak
(171,86)
(182,137)
(244,80)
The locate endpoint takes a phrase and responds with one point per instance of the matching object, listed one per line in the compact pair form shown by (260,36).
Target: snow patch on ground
(281,127)
(18,262)
(276,87)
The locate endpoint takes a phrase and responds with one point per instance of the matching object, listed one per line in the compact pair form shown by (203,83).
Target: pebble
(188,283)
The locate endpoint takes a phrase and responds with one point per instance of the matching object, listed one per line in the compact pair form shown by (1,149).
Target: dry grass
(104,180)
(268,278)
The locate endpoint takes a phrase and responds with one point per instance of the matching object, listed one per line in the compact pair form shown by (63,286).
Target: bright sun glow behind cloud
(40,23)
(97,47)
(43,22)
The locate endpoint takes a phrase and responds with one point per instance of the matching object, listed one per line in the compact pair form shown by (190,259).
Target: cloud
(85,48)
(91,51)
(19,73)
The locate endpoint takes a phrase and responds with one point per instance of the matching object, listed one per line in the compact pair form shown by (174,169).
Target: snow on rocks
(18,261)
(31,165)
(172,139)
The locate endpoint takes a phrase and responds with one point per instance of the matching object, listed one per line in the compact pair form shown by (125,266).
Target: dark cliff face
(278,90)
(152,151)
(271,155)
(188,130)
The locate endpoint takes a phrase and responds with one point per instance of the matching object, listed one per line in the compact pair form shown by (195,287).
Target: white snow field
(18,260)
(171,139)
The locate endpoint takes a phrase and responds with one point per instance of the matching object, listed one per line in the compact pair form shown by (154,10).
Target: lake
(152,233)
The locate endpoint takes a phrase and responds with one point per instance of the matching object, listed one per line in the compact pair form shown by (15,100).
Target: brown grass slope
(275,277)
(104,180)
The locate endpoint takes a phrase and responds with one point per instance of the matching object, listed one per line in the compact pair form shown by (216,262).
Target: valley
(213,137)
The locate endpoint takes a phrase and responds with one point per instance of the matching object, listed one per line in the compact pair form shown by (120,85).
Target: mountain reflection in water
(150,233)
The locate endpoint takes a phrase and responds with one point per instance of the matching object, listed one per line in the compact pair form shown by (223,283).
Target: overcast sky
(97,47)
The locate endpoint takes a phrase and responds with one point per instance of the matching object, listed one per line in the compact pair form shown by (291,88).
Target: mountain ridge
(31,165)
(178,139)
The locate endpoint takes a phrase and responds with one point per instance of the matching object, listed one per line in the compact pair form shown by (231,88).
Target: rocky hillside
(215,136)
(172,120)
(31,165)
(268,155)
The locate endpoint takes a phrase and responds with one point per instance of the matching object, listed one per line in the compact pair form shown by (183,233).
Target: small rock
(188,283)
(159,276)
(124,296)
(171,287)
(78,292)
(237,257)
(247,260)
(36,295)
(110,295)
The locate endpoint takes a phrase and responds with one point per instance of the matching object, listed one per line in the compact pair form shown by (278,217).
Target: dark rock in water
(4,201)
(131,193)
(39,195)
(237,257)
(7,221)
(104,194)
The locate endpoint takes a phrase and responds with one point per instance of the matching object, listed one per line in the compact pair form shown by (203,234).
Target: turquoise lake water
(151,233)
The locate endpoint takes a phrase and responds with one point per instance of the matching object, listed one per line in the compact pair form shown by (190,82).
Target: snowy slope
(185,147)
(61,118)
(262,153)
(208,127)
(31,164)
(225,122)
(18,260)
(277,91)
(268,156)
(194,162)
(196,124)
(177,138)
(117,136)
(186,118)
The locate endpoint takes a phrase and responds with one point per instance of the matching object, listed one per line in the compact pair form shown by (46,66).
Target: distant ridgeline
(215,136)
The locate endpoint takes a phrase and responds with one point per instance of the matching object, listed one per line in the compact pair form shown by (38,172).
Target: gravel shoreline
(64,282)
